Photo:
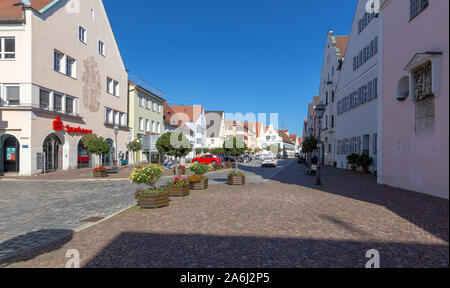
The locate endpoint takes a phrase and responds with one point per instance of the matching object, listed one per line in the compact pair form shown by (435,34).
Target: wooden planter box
(236,180)
(152,201)
(202,185)
(99,174)
(178,190)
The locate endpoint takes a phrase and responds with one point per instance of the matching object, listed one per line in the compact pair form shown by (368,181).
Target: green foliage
(352,159)
(199,169)
(206,150)
(309,144)
(364,161)
(148,175)
(234,147)
(173,144)
(95,144)
(236,173)
(135,145)
(198,151)
(218,151)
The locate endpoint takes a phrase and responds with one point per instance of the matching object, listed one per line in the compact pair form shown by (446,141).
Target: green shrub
(364,161)
(352,159)
(199,169)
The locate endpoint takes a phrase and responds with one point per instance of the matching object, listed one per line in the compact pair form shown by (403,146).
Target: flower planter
(179,190)
(100,174)
(236,180)
(365,170)
(353,168)
(153,200)
(202,185)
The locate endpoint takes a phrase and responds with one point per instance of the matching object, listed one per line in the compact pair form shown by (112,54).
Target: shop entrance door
(10,154)
(53,153)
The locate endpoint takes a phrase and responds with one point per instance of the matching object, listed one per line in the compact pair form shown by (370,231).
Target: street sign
(149,143)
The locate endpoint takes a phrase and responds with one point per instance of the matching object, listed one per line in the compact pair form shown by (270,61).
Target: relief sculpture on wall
(92,88)
(422,81)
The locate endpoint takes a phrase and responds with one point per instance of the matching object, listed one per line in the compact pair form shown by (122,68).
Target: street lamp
(320,109)
(116,131)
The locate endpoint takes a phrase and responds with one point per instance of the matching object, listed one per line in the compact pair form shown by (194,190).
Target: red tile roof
(341,43)
(184,113)
(11,12)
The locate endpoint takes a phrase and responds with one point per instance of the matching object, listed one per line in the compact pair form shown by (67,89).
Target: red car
(207,159)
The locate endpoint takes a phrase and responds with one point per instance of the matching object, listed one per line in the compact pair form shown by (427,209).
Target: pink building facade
(415,103)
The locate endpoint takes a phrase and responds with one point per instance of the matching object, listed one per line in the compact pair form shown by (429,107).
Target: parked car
(257,157)
(269,161)
(245,158)
(208,159)
(228,158)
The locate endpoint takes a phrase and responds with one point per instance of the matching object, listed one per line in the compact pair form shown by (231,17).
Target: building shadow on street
(149,250)
(29,246)
(425,211)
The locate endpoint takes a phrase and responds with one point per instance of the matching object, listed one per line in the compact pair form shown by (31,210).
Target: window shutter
(425,118)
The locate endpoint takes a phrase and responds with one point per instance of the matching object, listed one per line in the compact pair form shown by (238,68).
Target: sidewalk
(83,174)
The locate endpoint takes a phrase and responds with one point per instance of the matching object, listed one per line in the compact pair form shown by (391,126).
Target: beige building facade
(64,79)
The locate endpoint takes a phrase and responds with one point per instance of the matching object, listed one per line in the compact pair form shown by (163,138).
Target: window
(153,126)
(149,104)
(147,125)
(108,115)
(58,57)
(82,35)
(154,106)
(7,48)
(141,124)
(116,117)
(69,105)
(416,7)
(375,143)
(101,48)
(57,102)
(92,14)
(116,88)
(112,87)
(13,95)
(160,109)
(332,121)
(332,96)
(123,119)
(141,101)
(70,67)
(44,99)
(326,98)
(158,125)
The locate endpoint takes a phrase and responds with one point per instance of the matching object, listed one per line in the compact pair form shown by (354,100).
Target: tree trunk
(176,167)
(237,163)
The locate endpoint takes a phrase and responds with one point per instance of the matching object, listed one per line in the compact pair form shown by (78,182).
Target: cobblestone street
(33,213)
(283,222)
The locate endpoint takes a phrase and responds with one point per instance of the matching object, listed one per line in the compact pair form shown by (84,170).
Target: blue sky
(260,56)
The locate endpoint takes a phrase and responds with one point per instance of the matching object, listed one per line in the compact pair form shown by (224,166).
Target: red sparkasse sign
(58,125)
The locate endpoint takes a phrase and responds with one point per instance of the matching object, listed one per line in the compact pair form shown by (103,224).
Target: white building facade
(334,53)
(359,91)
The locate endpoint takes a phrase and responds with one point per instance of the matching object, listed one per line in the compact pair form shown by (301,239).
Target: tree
(235,147)
(135,146)
(309,144)
(174,144)
(96,145)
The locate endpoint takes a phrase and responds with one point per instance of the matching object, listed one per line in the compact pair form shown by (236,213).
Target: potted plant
(218,166)
(236,178)
(352,160)
(100,171)
(179,187)
(365,161)
(151,197)
(199,181)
